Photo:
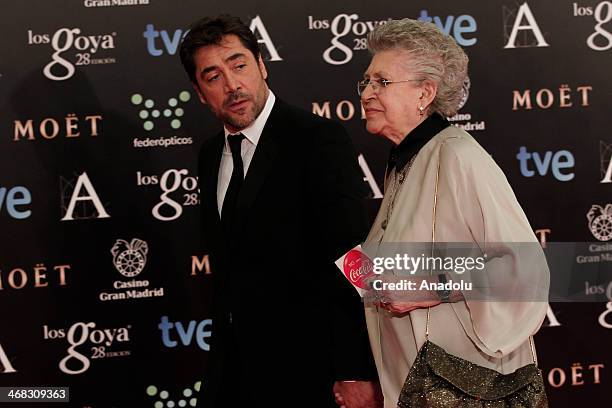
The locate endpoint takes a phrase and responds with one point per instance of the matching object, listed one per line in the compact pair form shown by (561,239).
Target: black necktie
(231,196)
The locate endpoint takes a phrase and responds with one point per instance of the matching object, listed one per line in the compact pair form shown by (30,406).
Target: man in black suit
(281,196)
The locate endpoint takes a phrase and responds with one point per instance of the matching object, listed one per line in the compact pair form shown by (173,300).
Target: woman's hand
(404,297)
(405,307)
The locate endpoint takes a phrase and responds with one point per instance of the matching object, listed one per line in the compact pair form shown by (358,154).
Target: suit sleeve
(337,189)
(517,275)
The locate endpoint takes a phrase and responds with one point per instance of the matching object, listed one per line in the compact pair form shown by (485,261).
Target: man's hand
(358,394)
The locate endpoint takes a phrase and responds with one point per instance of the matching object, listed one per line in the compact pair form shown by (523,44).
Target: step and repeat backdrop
(103,281)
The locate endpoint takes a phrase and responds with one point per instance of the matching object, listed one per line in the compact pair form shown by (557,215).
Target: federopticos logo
(162,397)
(154,114)
(73,47)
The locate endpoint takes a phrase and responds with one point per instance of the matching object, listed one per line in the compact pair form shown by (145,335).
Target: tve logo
(563,159)
(463,24)
(185,332)
(171,42)
(14,200)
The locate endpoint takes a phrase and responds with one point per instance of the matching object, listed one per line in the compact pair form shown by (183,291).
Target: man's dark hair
(211,30)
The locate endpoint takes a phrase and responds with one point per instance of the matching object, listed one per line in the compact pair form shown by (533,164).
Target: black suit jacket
(286,324)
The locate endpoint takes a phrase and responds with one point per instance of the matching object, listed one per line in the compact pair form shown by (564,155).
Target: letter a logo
(524,12)
(606,161)
(257,27)
(83,182)
(552,319)
(5,364)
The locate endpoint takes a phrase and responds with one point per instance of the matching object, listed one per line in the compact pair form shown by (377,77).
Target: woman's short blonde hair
(432,56)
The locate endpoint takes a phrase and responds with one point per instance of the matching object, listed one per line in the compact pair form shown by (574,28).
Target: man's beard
(244,120)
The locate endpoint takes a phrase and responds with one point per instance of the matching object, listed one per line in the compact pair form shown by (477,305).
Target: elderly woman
(412,84)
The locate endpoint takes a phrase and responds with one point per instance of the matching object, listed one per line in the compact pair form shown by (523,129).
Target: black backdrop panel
(102,284)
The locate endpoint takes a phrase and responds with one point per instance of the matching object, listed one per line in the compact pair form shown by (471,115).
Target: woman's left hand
(401,301)
(399,307)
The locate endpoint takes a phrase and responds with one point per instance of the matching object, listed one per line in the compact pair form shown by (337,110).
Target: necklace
(398,179)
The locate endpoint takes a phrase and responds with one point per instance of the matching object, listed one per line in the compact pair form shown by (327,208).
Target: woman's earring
(421,107)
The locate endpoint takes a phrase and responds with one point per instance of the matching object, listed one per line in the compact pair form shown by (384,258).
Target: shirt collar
(413,142)
(253,132)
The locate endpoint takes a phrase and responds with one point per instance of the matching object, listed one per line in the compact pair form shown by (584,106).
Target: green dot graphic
(148,125)
(193,402)
(175,124)
(187,392)
(155,113)
(143,114)
(197,386)
(184,96)
(179,112)
(163,394)
(159,404)
(172,102)
(151,390)
(136,99)
(149,103)
(182,403)
(170,404)
(167,113)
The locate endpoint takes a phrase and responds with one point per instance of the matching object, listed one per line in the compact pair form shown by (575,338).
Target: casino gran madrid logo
(163,398)
(93,343)
(154,115)
(464,120)
(130,259)
(600,222)
(114,3)
(74,47)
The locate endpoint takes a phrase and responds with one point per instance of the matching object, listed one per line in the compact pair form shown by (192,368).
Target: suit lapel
(261,164)
(213,161)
